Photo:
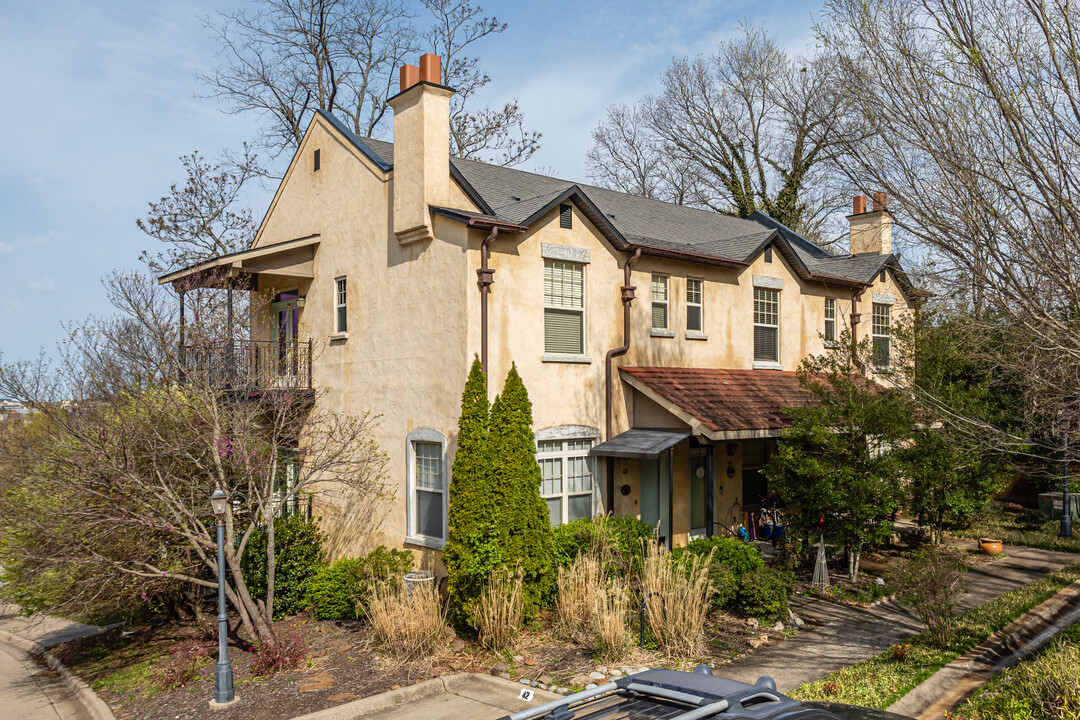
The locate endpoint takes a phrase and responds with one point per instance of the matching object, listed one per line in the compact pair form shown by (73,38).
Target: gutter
(627,291)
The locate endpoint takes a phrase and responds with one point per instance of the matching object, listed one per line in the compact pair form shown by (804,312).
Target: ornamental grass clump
(681,592)
(611,636)
(499,610)
(580,587)
(407,623)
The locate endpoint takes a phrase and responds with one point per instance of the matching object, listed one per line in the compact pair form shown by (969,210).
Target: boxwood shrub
(339,590)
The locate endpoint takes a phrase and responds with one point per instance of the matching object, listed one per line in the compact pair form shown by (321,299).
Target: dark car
(675,695)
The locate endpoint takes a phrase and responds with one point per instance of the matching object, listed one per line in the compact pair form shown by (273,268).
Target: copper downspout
(627,298)
(855,319)
(485,278)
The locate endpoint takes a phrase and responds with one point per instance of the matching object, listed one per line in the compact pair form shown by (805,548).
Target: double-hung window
(426,487)
(567,472)
(341,319)
(660,302)
(830,321)
(564,307)
(766,325)
(882,334)
(694,320)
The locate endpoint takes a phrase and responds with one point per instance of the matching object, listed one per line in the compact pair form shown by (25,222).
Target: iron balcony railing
(258,365)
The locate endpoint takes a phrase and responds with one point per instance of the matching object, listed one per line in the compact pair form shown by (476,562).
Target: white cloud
(43,283)
(46,239)
(6,247)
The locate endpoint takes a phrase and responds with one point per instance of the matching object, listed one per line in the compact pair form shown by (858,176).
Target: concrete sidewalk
(45,630)
(31,689)
(851,635)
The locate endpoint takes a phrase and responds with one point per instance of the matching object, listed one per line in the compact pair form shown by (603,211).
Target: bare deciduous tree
(492,134)
(285,59)
(115,482)
(969,118)
(740,129)
(200,219)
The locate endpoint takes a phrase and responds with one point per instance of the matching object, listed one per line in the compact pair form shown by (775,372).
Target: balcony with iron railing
(252,367)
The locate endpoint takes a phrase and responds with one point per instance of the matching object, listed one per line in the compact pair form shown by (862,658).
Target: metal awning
(644,443)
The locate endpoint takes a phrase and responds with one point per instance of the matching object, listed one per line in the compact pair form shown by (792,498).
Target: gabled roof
(722,404)
(518,198)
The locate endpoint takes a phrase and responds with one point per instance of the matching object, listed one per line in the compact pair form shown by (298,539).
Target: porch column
(609,499)
(710,490)
(230,362)
(671,497)
(183,349)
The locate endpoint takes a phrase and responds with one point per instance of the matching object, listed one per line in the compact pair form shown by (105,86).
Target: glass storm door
(286,312)
(697,493)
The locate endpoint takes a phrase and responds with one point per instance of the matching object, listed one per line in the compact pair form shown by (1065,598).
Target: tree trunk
(271,563)
(853,562)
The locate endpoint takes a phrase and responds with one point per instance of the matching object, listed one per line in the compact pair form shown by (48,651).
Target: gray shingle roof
(516,196)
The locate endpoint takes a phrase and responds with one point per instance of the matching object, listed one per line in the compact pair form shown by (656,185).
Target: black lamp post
(1066,504)
(223,678)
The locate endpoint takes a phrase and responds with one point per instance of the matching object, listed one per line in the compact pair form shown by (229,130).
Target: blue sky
(100,102)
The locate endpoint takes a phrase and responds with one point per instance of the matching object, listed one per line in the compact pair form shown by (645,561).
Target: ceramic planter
(990,546)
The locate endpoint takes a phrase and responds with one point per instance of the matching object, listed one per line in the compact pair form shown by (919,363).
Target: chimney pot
(879,201)
(858,205)
(431,68)
(410,75)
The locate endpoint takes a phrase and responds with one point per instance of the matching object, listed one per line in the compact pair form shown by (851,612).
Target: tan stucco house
(658,342)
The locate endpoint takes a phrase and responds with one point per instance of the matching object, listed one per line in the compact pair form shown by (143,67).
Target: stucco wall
(414,322)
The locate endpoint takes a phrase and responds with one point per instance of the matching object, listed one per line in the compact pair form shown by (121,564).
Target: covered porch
(693,460)
(262,349)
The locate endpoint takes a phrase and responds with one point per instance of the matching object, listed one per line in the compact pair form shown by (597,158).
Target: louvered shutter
(765,343)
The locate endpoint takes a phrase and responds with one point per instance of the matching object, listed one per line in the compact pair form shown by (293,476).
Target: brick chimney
(871,232)
(421,148)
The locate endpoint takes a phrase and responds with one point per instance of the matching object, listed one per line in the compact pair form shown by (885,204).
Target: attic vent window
(882,276)
(768,254)
(318,160)
(566,217)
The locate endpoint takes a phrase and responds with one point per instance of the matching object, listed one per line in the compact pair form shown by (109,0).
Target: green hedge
(739,557)
(339,590)
(622,536)
(297,558)
(764,593)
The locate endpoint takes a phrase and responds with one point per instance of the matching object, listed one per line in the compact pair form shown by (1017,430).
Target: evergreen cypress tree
(472,543)
(524,527)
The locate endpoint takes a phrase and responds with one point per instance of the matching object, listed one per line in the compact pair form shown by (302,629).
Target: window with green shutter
(660,302)
(766,325)
(564,307)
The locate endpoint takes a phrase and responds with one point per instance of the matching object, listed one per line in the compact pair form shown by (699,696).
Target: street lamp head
(218,501)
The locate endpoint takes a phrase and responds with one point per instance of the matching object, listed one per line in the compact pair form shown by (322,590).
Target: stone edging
(959,679)
(83,693)
(420,691)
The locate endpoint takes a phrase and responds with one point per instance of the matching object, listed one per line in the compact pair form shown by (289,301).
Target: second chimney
(421,148)
(871,232)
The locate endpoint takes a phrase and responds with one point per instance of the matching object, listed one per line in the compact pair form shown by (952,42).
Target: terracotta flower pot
(990,546)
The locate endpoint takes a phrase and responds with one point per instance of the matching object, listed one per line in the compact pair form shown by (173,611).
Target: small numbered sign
(526,694)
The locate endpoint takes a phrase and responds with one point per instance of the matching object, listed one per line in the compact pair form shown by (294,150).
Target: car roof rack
(667,695)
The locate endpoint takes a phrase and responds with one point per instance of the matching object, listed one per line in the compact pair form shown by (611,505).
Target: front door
(286,312)
(654,494)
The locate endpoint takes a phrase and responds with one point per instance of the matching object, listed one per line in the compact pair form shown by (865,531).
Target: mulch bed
(125,666)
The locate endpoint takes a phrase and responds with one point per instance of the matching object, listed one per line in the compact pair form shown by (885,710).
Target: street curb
(420,691)
(958,680)
(83,693)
